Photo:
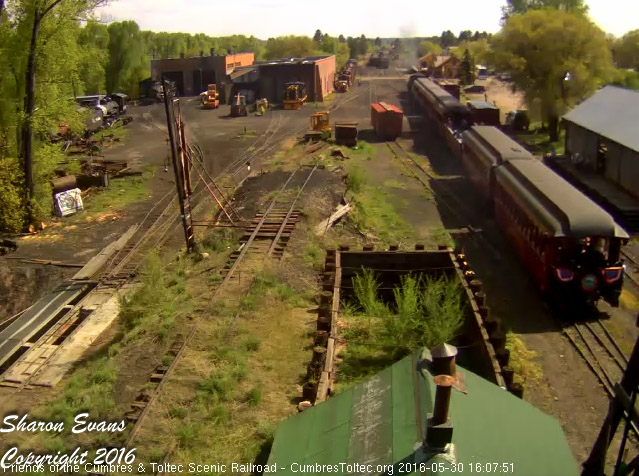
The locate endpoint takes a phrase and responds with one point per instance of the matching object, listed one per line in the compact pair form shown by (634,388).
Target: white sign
(69,202)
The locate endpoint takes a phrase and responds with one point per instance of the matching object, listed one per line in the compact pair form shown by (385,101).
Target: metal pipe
(442,398)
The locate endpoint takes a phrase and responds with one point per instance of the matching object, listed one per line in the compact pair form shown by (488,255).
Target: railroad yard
(211,348)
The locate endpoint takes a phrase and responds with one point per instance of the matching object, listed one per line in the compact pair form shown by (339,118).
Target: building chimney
(439,429)
(444,359)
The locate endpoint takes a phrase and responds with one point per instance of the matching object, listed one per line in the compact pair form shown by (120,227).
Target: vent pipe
(444,360)
(439,429)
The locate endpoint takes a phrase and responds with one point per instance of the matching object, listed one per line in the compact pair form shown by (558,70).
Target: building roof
(612,112)
(481,105)
(242,70)
(382,422)
(557,204)
(307,60)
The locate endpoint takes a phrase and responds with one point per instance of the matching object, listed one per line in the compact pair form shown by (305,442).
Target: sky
(373,18)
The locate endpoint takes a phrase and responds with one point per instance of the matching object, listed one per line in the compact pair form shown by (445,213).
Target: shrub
(11,191)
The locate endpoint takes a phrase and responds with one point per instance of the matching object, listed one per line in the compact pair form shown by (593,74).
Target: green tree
(290,46)
(626,50)
(539,47)
(447,38)
(378,41)
(329,45)
(341,39)
(465,35)
(126,55)
(93,40)
(50,17)
(467,68)
(317,37)
(426,47)
(518,7)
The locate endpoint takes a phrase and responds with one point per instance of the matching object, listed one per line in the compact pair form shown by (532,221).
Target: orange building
(193,75)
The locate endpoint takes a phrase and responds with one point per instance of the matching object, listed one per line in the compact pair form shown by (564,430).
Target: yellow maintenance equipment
(212,98)
(320,126)
(294,95)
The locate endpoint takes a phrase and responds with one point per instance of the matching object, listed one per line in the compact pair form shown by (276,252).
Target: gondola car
(570,245)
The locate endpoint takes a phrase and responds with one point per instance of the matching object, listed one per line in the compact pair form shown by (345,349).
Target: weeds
(425,312)
(254,397)
(355,179)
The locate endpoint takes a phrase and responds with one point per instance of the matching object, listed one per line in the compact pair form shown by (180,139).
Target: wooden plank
(99,260)
(336,293)
(330,355)
(72,349)
(322,388)
(326,224)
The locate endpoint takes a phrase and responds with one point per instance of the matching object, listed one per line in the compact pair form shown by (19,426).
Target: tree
(36,12)
(398,45)
(329,44)
(539,47)
(467,68)
(126,53)
(290,46)
(426,47)
(519,7)
(447,39)
(341,39)
(363,45)
(317,37)
(378,41)
(94,41)
(465,35)
(626,50)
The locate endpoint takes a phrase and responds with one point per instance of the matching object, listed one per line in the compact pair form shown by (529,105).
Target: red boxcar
(387,120)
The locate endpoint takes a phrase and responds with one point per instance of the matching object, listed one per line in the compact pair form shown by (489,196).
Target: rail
(223,283)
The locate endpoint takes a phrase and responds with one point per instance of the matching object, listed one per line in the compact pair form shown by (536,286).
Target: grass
(355,179)
(235,383)
(314,256)
(247,134)
(218,240)
(424,312)
(629,300)
(363,150)
(119,132)
(538,142)
(148,318)
(394,184)
(522,360)
(375,215)
(121,193)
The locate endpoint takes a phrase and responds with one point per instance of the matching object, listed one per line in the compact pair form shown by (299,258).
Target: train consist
(345,79)
(570,245)
(379,59)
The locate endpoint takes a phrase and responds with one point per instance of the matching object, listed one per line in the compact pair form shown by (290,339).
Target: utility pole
(182,181)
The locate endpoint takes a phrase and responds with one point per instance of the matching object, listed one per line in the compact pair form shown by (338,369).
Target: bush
(355,180)
(12,215)
(427,311)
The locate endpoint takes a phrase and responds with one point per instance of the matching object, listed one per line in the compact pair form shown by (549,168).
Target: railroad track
(264,237)
(632,270)
(444,195)
(600,351)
